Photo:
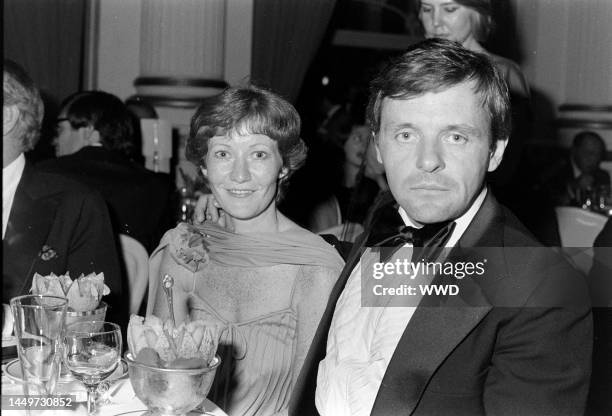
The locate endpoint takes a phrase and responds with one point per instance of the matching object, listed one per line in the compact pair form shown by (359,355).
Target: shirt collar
(12,173)
(461,223)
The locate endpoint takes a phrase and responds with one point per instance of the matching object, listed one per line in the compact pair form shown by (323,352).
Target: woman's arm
(310,299)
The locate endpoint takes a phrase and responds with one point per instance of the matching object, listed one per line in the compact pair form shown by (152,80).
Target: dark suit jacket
(600,281)
(70,219)
(555,180)
(478,353)
(138,199)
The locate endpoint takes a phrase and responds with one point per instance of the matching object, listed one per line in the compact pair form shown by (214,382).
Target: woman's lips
(240,193)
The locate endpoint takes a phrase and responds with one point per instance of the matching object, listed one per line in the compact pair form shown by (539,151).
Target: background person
(50,223)
(345,211)
(94,144)
(578,176)
(267,283)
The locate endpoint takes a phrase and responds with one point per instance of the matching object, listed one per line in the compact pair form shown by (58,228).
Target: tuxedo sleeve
(93,248)
(542,361)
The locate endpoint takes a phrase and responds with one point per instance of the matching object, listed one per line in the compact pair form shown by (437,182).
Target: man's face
(68,139)
(436,151)
(589,155)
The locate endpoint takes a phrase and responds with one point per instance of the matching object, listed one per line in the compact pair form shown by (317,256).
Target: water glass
(39,322)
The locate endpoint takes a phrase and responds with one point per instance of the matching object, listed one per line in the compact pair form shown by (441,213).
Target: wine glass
(92,352)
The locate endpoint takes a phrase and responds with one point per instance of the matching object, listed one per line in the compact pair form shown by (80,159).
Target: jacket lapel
(435,330)
(27,230)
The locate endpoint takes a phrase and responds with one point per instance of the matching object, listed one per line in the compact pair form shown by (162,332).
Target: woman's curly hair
(248,110)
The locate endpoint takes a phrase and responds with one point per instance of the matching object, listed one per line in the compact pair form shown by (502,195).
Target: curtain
(286,36)
(46,38)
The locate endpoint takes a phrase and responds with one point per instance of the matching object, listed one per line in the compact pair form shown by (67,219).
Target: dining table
(119,398)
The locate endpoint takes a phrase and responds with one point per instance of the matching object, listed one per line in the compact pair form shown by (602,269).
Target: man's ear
(10,116)
(378,155)
(91,136)
(204,171)
(496,155)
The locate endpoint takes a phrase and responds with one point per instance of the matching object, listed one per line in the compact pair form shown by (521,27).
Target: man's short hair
(435,65)
(19,90)
(104,112)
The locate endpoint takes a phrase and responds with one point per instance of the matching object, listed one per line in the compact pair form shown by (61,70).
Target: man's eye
(457,138)
(405,136)
(222,154)
(450,9)
(260,155)
(425,9)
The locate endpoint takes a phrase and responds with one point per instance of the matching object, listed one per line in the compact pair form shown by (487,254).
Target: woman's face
(448,20)
(243,172)
(355,145)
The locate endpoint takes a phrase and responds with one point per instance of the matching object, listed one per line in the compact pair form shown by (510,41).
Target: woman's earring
(283,173)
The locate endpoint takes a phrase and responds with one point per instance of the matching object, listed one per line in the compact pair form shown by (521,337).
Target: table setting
(70,360)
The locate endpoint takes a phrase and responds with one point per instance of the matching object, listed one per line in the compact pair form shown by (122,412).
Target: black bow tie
(431,238)
(429,235)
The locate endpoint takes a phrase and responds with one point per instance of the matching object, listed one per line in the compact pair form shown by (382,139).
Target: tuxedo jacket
(137,199)
(503,347)
(600,281)
(56,226)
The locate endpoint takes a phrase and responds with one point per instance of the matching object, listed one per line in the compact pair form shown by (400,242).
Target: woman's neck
(473,45)
(269,221)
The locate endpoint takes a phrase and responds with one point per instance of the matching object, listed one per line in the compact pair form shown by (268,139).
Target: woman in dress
(266,284)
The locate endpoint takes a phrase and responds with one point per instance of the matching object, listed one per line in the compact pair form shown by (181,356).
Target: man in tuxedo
(95,140)
(515,340)
(50,224)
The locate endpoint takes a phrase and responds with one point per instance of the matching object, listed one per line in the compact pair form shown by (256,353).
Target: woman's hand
(208,209)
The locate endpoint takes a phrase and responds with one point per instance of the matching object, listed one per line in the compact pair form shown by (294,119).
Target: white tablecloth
(121,396)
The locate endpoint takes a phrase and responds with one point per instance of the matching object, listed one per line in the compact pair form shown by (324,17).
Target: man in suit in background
(514,340)
(50,224)
(95,141)
(572,180)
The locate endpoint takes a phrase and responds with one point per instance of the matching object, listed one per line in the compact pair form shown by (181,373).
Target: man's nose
(429,157)
(240,171)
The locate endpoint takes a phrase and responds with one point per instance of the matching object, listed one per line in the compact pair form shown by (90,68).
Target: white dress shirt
(11,175)
(362,340)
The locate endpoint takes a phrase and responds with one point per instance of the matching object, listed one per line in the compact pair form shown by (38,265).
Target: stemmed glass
(92,352)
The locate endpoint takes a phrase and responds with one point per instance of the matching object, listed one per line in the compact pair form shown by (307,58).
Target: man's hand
(208,209)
